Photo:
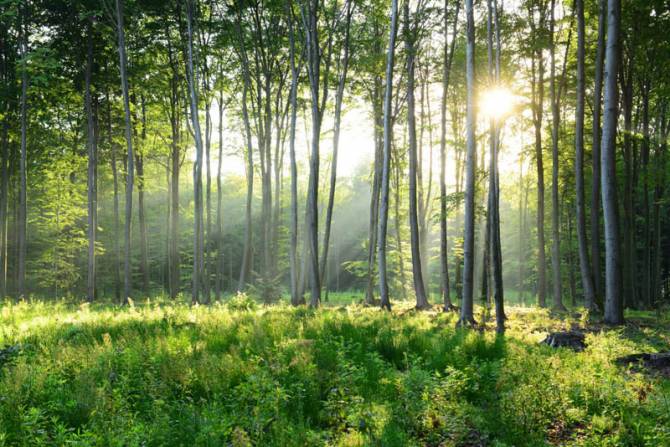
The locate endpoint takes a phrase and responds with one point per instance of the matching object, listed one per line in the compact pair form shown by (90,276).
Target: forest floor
(240,374)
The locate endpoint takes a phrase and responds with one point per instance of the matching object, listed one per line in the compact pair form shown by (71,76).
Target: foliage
(168,374)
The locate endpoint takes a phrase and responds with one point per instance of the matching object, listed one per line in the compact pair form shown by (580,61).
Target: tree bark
(198,258)
(446,71)
(555,205)
(613,301)
(23,184)
(417,273)
(595,142)
(336,140)
(386,164)
(584,265)
(130,169)
(466,316)
(92,164)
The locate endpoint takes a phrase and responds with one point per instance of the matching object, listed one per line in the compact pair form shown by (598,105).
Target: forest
(334,222)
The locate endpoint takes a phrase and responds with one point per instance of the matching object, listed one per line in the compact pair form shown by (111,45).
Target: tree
(613,298)
(92,166)
(191,76)
(447,59)
(410,36)
(466,316)
(584,265)
(388,137)
(130,168)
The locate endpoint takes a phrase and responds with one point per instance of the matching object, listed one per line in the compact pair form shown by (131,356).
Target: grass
(239,374)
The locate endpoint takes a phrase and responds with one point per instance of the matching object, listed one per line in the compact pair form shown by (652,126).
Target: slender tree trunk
(538,86)
(584,265)
(219,208)
(417,273)
(141,213)
(23,184)
(446,70)
(555,205)
(336,140)
(466,316)
(198,260)
(92,163)
(374,222)
(130,169)
(296,297)
(596,175)
(310,19)
(630,253)
(386,164)
(613,301)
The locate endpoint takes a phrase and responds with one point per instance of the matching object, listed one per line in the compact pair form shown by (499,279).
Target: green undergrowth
(240,374)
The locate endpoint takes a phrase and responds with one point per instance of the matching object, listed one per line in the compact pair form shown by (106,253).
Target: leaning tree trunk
(466,316)
(130,174)
(613,301)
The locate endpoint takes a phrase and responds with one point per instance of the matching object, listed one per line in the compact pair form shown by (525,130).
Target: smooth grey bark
(115,182)
(584,265)
(373,239)
(386,164)
(466,315)
(92,148)
(613,298)
(310,19)
(130,168)
(494,245)
(417,273)
(245,267)
(537,85)
(595,145)
(448,55)
(555,205)
(141,213)
(339,94)
(630,290)
(175,161)
(218,284)
(23,186)
(198,258)
(296,297)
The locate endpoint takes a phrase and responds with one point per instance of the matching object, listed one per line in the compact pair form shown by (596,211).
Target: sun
(496,103)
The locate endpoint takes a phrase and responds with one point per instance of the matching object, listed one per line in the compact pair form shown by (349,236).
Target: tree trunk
(23,184)
(446,70)
(584,266)
(596,175)
(538,105)
(296,297)
(130,169)
(386,164)
(613,301)
(555,205)
(310,19)
(336,140)
(466,316)
(141,214)
(92,163)
(198,258)
(417,273)
(219,208)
